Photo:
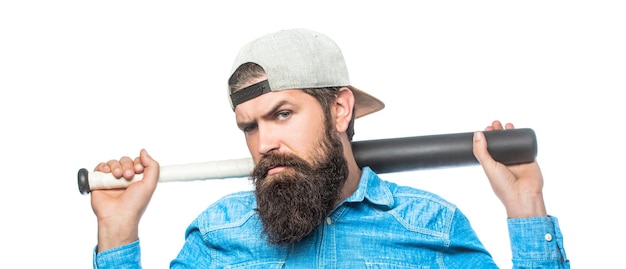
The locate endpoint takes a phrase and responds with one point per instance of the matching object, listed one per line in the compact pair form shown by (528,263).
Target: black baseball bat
(512,146)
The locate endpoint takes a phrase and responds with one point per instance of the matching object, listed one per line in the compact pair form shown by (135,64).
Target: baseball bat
(512,146)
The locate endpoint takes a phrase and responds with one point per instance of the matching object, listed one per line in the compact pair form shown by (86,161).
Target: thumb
(480,149)
(151,170)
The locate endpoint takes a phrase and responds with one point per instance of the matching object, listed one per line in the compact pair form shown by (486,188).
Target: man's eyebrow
(275,108)
(246,124)
(267,114)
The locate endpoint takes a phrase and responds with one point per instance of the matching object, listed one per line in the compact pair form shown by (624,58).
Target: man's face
(300,167)
(284,121)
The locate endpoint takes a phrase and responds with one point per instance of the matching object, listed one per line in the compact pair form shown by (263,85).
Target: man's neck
(354,173)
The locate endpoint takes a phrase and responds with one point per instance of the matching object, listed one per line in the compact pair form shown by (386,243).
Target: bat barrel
(448,150)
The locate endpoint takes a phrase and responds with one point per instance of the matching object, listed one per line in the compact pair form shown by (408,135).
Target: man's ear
(343,108)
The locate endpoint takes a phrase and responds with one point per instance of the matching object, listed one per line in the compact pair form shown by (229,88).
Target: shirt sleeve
(537,242)
(194,254)
(124,257)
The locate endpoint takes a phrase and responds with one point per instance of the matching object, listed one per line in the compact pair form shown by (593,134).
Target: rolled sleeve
(126,257)
(537,241)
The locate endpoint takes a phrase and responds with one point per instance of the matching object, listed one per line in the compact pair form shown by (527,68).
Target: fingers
(480,142)
(127,167)
(103,167)
(497,125)
(138,165)
(124,167)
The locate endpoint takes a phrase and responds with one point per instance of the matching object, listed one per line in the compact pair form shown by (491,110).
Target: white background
(87,81)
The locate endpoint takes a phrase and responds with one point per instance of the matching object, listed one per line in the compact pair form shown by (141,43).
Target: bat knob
(83,181)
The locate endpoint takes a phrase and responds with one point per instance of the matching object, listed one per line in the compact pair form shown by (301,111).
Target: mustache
(272,160)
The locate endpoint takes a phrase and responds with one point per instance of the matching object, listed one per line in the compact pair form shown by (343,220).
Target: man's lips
(275,170)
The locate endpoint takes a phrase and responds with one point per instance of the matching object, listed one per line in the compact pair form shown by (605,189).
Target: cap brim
(364,103)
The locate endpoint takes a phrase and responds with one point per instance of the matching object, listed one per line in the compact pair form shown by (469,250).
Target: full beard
(292,203)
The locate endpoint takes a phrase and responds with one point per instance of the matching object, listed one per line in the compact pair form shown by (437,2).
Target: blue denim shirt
(382,225)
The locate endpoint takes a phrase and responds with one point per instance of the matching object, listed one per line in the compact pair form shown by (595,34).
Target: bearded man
(313,206)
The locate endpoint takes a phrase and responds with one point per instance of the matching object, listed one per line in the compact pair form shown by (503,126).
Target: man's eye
(283,115)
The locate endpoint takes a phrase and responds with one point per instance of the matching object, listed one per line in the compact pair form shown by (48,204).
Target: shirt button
(548,237)
(328,220)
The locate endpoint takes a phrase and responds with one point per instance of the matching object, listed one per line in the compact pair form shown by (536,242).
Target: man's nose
(269,140)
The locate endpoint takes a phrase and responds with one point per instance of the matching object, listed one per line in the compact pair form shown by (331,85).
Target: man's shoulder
(230,210)
(407,194)
(398,197)
(236,201)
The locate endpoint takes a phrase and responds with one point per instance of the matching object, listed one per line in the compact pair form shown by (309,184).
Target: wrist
(527,206)
(112,235)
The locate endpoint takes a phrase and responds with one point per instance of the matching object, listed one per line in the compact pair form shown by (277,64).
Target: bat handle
(88,181)
(233,168)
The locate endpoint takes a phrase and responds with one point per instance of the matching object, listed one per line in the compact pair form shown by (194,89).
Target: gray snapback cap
(298,59)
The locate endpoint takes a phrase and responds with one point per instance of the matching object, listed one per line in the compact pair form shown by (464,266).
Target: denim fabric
(124,257)
(537,243)
(382,225)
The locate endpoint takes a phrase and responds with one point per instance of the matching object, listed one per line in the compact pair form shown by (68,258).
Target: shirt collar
(372,188)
